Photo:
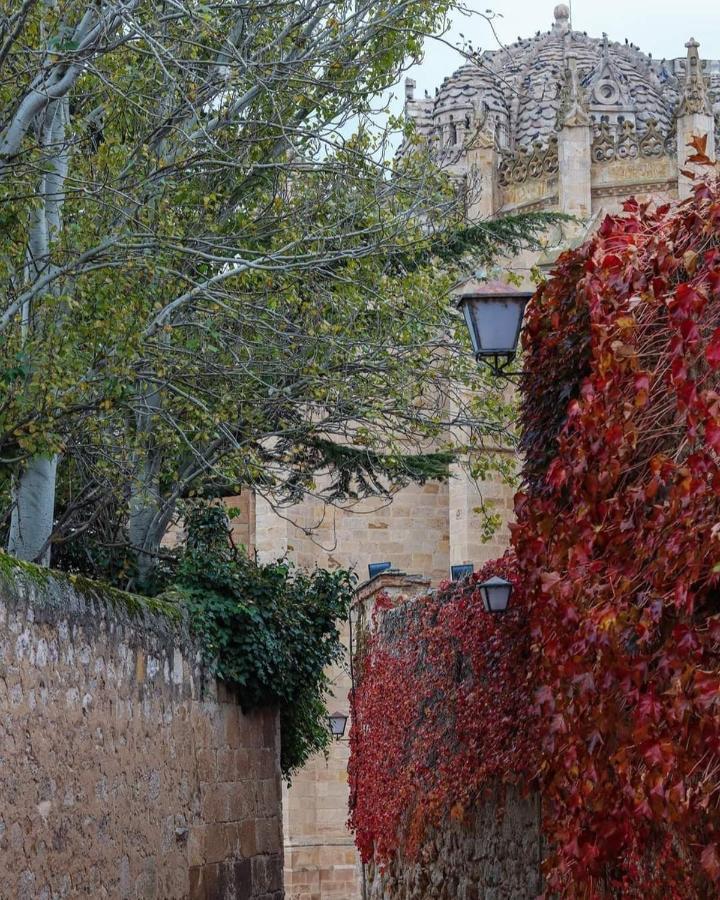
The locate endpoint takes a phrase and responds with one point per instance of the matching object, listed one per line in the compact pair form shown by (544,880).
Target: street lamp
(337,722)
(493,313)
(495,593)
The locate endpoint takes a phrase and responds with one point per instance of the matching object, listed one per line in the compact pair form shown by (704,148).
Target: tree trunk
(34,510)
(149,513)
(145,528)
(33,513)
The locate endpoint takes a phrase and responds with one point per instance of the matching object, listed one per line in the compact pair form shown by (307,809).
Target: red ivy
(442,710)
(618,546)
(618,626)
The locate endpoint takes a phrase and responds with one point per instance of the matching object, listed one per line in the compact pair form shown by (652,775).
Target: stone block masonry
(125,771)
(496,855)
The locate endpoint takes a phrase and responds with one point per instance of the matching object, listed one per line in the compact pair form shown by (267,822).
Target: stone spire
(694,96)
(694,119)
(574,142)
(573,109)
(482,136)
(482,159)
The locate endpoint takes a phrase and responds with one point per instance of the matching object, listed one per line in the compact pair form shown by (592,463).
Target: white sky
(660,27)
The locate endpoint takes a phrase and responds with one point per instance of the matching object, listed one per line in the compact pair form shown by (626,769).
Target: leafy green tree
(208,276)
(269,631)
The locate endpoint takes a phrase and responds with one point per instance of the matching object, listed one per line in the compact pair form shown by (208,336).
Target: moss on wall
(134,604)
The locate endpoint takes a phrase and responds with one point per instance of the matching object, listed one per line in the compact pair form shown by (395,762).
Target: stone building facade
(559,121)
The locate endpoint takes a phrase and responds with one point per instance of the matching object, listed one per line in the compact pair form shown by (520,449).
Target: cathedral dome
(517,90)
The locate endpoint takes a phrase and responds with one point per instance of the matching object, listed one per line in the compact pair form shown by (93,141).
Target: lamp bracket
(498,365)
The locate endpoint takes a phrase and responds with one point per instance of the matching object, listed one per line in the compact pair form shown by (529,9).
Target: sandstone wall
(496,856)
(124,771)
(372,530)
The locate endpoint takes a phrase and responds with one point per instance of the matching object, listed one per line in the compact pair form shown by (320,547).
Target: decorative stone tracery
(541,162)
(625,143)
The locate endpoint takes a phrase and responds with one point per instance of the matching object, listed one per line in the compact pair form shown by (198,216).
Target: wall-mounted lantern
(496,593)
(493,314)
(337,722)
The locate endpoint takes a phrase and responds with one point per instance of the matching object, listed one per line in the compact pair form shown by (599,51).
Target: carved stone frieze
(540,162)
(625,142)
(624,190)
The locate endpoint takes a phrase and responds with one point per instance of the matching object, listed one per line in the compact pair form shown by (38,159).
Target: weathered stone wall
(496,856)
(125,772)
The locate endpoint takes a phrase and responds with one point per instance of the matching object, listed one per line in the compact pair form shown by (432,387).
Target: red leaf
(712,434)
(711,862)
(712,351)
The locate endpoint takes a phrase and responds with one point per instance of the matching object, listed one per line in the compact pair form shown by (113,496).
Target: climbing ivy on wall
(617,605)
(618,545)
(443,707)
(270,631)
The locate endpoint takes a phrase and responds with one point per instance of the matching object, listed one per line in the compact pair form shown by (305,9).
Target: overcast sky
(660,27)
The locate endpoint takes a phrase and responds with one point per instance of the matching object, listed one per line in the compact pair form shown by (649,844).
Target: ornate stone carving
(573,109)
(535,163)
(671,142)
(605,85)
(694,97)
(541,162)
(603,147)
(652,143)
(627,142)
(520,166)
(504,169)
(550,161)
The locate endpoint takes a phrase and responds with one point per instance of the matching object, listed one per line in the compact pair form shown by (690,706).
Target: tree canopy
(211,275)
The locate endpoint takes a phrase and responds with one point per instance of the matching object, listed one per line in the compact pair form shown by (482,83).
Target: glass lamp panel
(467,308)
(495,324)
(496,593)
(337,721)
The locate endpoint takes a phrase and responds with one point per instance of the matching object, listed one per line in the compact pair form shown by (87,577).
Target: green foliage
(270,630)
(483,240)
(231,283)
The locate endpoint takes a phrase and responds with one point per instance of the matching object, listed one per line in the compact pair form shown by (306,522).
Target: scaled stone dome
(517,90)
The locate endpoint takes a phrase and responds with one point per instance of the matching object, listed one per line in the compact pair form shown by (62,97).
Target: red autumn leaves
(618,542)
(442,710)
(610,669)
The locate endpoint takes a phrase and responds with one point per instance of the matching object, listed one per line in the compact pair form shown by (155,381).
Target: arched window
(452,133)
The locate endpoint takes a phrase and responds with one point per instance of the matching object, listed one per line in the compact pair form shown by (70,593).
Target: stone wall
(321,862)
(125,772)
(495,856)
(371,530)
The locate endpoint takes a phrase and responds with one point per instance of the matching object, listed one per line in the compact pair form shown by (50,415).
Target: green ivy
(270,631)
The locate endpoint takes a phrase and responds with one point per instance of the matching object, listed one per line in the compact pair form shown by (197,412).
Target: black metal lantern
(337,722)
(496,593)
(493,313)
